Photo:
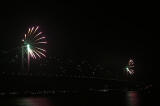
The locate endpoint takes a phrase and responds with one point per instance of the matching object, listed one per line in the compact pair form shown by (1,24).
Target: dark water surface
(130,98)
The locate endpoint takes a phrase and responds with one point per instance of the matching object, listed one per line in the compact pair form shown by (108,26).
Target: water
(130,98)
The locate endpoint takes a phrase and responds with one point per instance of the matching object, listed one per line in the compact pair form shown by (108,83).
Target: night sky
(94,30)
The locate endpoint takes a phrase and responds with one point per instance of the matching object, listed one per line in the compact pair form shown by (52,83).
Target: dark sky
(104,33)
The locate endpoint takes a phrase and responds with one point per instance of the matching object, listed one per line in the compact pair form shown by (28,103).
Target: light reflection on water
(34,102)
(130,98)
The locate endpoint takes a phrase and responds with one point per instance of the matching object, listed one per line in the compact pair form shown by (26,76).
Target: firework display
(129,67)
(33,44)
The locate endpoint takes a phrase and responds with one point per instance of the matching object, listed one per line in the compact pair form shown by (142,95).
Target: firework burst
(33,44)
(129,67)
